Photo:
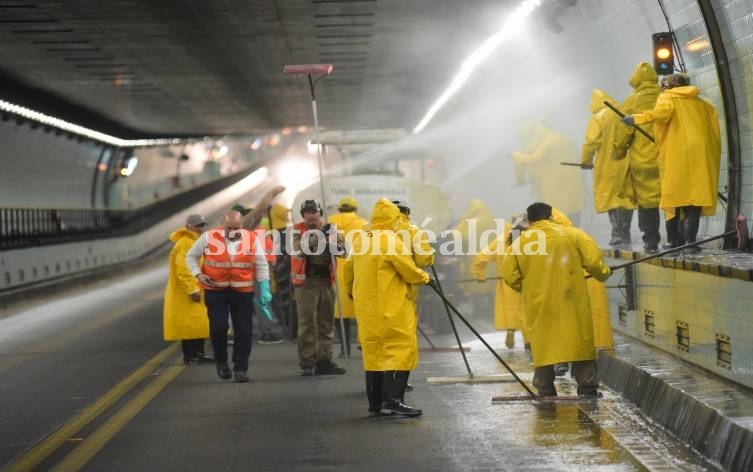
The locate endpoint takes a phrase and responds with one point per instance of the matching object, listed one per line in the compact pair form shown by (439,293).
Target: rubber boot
(692,223)
(374,391)
(614,222)
(393,389)
(626,221)
(648,223)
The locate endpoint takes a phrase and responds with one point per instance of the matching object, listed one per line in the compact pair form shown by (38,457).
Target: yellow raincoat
(687,137)
(484,220)
(611,184)
(346,222)
(507,303)
(555,184)
(183,318)
(558,310)
(422,259)
(597,293)
(379,282)
(639,150)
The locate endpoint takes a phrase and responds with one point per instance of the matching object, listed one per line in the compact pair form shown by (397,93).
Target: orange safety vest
(236,274)
(298,263)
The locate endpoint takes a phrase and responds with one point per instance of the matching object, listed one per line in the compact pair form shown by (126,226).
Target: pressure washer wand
(452,322)
(622,115)
(483,341)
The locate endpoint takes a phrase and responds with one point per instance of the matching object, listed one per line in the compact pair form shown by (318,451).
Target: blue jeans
(240,306)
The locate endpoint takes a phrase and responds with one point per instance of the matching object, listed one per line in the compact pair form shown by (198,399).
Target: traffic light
(664,55)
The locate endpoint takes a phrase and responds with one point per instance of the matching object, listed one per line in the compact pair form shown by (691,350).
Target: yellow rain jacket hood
(183,318)
(550,181)
(484,220)
(689,149)
(557,307)
(279,216)
(635,148)
(348,223)
(611,184)
(378,275)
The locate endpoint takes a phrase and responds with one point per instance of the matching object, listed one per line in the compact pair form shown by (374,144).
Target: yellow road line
(83,453)
(45,448)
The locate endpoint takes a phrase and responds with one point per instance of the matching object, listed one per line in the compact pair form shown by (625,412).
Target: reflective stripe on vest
(237,273)
(298,263)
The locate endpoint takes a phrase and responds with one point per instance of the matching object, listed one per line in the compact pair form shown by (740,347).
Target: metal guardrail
(23,227)
(31,227)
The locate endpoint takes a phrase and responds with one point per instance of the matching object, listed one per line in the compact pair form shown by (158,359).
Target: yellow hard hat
(348,202)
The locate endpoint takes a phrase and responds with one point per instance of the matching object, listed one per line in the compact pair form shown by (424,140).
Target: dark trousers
(240,306)
(583,371)
(648,223)
(344,344)
(192,348)
(684,230)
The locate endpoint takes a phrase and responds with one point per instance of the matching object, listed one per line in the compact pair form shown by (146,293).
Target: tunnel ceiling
(169,67)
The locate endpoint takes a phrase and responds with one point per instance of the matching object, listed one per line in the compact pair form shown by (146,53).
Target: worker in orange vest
(313,277)
(234,261)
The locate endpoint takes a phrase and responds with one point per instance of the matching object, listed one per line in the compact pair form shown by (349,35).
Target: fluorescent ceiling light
(512,26)
(80,130)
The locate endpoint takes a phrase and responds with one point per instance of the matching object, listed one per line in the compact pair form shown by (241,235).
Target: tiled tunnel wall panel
(46,169)
(673,304)
(43,169)
(736,19)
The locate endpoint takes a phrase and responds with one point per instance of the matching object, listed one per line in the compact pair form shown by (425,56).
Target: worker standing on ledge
(640,153)
(233,260)
(612,192)
(379,274)
(555,298)
(689,153)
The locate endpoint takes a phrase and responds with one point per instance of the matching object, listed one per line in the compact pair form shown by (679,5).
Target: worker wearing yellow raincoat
(184,314)
(612,192)
(689,153)
(597,294)
(540,161)
(546,265)
(378,274)
(348,222)
(640,154)
(507,303)
(476,219)
(416,241)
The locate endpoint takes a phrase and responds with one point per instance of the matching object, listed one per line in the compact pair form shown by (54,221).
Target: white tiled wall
(709,304)
(736,20)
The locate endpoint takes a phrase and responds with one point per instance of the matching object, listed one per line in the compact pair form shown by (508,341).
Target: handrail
(32,227)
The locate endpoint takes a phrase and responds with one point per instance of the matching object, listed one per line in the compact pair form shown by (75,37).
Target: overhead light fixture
(23,112)
(512,25)
(128,165)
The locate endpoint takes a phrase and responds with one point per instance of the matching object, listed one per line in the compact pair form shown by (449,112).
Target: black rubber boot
(393,389)
(648,223)
(374,391)
(692,223)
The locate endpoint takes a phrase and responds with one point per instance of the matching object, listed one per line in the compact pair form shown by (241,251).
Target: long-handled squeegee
(322,70)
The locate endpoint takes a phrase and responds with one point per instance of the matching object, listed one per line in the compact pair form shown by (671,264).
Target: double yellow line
(79,456)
